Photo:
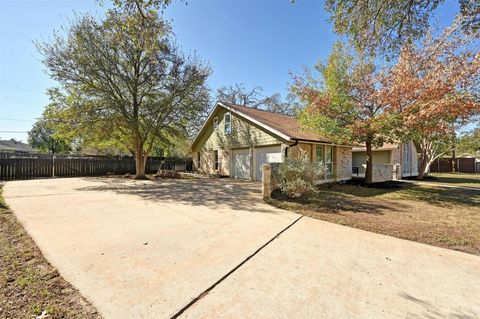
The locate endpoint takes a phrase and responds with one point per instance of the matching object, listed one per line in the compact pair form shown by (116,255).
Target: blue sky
(249,42)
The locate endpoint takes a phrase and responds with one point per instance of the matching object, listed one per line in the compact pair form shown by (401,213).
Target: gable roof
(283,126)
(15,146)
(287,125)
(385,147)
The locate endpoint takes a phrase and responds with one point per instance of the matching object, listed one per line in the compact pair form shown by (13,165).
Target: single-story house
(236,141)
(15,146)
(402,156)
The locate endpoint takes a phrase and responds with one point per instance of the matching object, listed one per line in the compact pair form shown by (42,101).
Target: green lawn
(445,217)
(455,179)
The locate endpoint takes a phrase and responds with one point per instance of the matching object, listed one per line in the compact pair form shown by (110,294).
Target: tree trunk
(427,168)
(423,164)
(140,160)
(453,161)
(369,169)
(425,158)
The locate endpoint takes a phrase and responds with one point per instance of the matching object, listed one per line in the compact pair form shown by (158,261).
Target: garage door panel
(266,155)
(241,163)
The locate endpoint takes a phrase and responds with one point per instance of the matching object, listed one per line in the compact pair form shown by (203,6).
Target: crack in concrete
(206,291)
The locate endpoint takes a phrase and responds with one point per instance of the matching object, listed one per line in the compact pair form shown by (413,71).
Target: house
(13,145)
(401,156)
(236,141)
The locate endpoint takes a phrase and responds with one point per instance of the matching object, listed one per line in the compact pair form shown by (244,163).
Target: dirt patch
(448,218)
(29,285)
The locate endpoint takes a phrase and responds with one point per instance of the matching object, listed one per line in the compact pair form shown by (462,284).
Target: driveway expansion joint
(206,291)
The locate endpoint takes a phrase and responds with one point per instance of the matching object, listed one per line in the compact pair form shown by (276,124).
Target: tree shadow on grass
(435,195)
(461,179)
(215,193)
(325,201)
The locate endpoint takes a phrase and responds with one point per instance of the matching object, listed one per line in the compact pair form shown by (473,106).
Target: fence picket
(28,166)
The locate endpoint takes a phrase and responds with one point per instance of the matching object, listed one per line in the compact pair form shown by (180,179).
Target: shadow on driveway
(236,194)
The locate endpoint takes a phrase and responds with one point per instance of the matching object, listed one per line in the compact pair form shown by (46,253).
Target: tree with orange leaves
(347,103)
(433,87)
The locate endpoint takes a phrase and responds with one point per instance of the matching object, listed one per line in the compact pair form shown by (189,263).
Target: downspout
(286,148)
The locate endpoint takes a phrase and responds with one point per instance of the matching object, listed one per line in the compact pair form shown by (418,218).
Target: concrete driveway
(209,249)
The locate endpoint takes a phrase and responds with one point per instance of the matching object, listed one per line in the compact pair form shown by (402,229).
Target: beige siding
(196,167)
(225,159)
(243,134)
(207,162)
(359,159)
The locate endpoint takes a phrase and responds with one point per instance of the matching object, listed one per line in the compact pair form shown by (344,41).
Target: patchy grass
(29,285)
(445,217)
(455,179)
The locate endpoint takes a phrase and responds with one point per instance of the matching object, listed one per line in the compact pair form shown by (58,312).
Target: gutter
(286,148)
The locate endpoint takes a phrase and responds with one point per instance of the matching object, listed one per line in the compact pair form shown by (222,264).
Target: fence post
(53,165)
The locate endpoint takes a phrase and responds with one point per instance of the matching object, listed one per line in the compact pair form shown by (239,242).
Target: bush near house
(297,176)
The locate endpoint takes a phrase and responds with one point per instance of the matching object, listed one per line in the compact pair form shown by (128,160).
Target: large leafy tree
(386,25)
(469,142)
(123,79)
(346,102)
(434,87)
(41,136)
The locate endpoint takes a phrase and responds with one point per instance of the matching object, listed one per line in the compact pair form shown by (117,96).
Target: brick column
(266,181)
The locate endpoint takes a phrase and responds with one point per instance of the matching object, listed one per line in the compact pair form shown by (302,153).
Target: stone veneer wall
(343,162)
(396,160)
(382,172)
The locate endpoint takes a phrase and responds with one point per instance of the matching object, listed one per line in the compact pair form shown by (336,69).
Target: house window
(198,159)
(319,153)
(215,123)
(329,159)
(228,123)
(324,155)
(216,160)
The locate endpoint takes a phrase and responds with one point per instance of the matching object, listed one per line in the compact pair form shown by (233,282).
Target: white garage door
(241,163)
(266,155)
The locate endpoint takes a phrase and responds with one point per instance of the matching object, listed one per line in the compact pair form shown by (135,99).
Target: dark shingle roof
(285,124)
(12,145)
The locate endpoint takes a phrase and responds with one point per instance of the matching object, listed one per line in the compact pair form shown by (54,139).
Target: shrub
(297,175)
(164,174)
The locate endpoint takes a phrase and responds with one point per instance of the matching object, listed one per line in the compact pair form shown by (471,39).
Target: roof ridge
(261,110)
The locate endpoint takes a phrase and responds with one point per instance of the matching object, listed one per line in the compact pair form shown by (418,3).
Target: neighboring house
(236,141)
(401,156)
(15,146)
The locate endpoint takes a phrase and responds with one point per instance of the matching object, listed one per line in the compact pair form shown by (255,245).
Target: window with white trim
(324,156)
(227,123)
(319,153)
(329,160)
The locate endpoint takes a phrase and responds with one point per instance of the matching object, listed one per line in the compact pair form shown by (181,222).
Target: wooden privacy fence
(29,166)
(463,165)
